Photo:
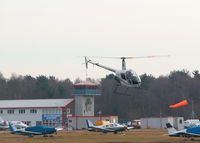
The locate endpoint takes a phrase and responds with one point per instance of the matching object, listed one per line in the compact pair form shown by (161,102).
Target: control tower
(84,98)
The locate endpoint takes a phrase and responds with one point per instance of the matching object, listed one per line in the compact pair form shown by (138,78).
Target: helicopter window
(91,87)
(85,87)
(132,77)
(129,75)
(130,81)
(123,76)
(80,87)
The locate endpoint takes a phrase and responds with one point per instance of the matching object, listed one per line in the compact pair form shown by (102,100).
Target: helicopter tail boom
(97,64)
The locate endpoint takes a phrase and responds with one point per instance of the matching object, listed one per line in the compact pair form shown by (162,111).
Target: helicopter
(125,77)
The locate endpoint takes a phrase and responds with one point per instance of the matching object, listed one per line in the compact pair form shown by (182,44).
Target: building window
(68,110)
(10,111)
(22,111)
(54,123)
(33,111)
(27,123)
(1,111)
(38,123)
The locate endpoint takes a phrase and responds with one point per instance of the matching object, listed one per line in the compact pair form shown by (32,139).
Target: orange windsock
(180,104)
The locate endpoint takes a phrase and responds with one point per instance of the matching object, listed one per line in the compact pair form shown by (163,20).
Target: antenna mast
(86,74)
(193,115)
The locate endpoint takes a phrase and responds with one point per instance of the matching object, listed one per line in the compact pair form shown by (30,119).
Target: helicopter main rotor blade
(104,57)
(141,57)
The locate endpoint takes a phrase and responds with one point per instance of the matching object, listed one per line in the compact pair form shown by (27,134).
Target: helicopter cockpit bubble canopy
(130,76)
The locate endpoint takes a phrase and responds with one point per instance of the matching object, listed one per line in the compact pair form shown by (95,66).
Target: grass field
(133,136)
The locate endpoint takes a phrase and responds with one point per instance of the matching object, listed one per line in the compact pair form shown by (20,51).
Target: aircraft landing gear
(192,139)
(30,136)
(48,136)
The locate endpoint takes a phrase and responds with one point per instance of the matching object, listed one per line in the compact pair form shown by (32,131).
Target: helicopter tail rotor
(86,62)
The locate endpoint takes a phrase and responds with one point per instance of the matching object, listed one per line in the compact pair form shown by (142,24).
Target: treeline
(153,97)
(28,87)
(149,100)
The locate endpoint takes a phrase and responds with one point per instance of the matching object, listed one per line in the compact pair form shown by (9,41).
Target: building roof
(35,103)
(160,117)
(85,83)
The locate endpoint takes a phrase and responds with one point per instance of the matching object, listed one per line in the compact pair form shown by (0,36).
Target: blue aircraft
(189,132)
(34,130)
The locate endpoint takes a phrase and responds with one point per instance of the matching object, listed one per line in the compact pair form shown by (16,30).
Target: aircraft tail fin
(89,124)
(12,127)
(1,120)
(170,128)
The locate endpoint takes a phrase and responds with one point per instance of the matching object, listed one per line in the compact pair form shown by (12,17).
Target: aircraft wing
(59,129)
(183,134)
(189,135)
(102,129)
(129,128)
(27,132)
(193,135)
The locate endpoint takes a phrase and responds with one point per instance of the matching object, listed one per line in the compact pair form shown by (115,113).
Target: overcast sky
(46,37)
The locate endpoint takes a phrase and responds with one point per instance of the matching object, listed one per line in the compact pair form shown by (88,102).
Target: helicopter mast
(123,63)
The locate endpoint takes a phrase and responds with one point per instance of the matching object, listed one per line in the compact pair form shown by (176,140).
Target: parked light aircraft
(111,127)
(5,124)
(189,132)
(126,77)
(34,130)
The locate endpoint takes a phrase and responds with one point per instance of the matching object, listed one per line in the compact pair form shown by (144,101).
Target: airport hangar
(69,113)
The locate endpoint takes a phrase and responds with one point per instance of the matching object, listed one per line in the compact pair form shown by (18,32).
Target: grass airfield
(133,136)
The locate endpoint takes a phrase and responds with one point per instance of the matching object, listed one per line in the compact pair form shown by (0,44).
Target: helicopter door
(123,76)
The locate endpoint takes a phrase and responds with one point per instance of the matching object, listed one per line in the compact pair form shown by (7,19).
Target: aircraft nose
(53,130)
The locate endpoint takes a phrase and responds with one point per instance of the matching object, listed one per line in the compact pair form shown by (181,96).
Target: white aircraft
(111,127)
(5,124)
(126,77)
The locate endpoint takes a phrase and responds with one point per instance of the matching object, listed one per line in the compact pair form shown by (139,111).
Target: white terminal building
(50,112)
(160,122)
(69,113)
